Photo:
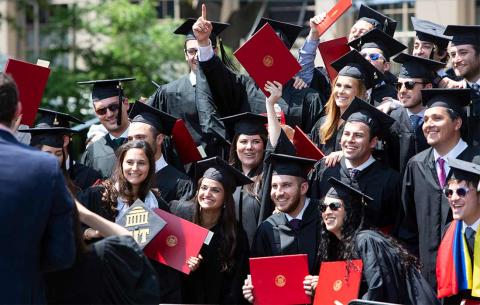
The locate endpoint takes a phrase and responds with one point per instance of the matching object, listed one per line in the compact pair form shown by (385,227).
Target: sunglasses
(409,85)
(112,107)
(373,56)
(461,192)
(333,206)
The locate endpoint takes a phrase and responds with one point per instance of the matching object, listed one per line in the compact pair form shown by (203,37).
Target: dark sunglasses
(409,85)
(373,56)
(461,192)
(112,107)
(333,206)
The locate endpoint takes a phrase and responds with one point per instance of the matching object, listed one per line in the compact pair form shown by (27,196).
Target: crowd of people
(398,186)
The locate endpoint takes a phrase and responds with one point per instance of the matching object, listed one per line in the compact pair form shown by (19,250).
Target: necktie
(414,120)
(476,87)
(353,173)
(118,142)
(470,236)
(295,224)
(441,175)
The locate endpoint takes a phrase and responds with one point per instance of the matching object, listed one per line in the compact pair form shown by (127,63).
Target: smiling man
(426,208)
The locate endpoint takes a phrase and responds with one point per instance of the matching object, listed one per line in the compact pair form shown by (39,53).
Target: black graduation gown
(403,142)
(321,83)
(173,184)
(247,211)
(274,237)
(474,119)
(83,176)
(333,144)
(377,181)
(385,280)
(426,209)
(112,271)
(168,278)
(100,156)
(383,89)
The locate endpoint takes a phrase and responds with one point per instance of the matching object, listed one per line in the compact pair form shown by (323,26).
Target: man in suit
(36,215)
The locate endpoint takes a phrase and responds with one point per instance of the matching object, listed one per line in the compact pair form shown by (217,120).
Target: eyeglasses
(112,107)
(333,206)
(461,192)
(372,56)
(408,84)
(191,51)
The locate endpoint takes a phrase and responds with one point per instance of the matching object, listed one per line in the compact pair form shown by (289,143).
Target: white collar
(123,135)
(453,153)
(122,206)
(160,163)
(300,215)
(193,78)
(362,166)
(420,114)
(474,226)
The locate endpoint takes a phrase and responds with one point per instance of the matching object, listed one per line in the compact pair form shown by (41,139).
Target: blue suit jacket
(36,221)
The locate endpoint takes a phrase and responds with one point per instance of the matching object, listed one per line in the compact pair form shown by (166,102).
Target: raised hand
(202,28)
(314,21)
(275,89)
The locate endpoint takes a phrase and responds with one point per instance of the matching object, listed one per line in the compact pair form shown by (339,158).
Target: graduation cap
(186,29)
(247,123)
(353,64)
(361,111)
(464,34)
(463,170)
(106,88)
(377,19)
(217,169)
(43,134)
(454,99)
(376,38)
(345,192)
(417,67)
(287,32)
(290,165)
(430,32)
(56,119)
(143,113)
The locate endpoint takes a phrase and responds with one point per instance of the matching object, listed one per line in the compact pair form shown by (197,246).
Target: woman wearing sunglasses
(390,273)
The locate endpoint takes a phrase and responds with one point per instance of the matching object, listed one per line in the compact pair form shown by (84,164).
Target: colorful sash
(455,271)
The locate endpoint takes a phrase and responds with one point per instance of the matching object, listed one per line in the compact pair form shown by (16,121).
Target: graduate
(426,210)
(111,108)
(429,42)
(369,19)
(458,260)
(153,126)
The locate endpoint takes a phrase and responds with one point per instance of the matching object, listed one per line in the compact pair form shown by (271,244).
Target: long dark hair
(228,227)
(125,189)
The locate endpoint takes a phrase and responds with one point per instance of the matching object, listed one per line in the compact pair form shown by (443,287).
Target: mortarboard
(290,165)
(417,67)
(464,34)
(217,169)
(345,192)
(106,88)
(56,119)
(463,170)
(353,64)
(287,32)
(376,38)
(377,19)
(430,32)
(361,111)
(43,134)
(186,29)
(454,99)
(143,113)
(247,123)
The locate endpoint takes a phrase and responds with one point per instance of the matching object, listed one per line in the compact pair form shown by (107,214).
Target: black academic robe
(377,181)
(83,176)
(384,279)
(426,209)
(173,184)
(474,118)
(100,156)
(403,142)
(332,144)
(321,83)
(275,237)
(247,211)
(111,271)
(383,89)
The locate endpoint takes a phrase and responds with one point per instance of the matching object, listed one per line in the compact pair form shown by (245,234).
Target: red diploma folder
(31,82)
(279,279)
(186,147)
(331,51)
(176,242)
(336,285)
(305,147)
(266,58)
(333,14)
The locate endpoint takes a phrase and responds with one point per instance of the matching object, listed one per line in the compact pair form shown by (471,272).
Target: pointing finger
(204,11)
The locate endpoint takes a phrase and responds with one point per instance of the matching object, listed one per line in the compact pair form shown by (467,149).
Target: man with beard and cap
(152,125)
(377,47)
(429,42)
(52,134)
(111,108)
(406,137)
(425,208)
(364,126)
(190,99)
(301,107)
(465,58)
